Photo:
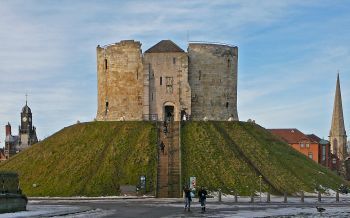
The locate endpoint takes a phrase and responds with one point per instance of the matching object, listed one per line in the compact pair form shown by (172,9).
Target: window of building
(323,152)
(106,66)
(174,60)
(310,155)
(161,81)
(307,145)
(226,104)
(169,85)
(302,144)
(334,161)
(152,96)
(199,75)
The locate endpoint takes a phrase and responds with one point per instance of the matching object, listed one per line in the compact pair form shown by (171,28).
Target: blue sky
(289,54)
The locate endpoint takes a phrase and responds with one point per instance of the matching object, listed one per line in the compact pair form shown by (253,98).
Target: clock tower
(27,132)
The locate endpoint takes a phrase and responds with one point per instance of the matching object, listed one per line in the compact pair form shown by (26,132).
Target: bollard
(236,198)
(302,197)
(285,198)
(219,197)
(337,197)
(252,198)
(319,196)
(268,199)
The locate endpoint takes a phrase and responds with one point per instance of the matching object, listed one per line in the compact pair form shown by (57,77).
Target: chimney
(8,129)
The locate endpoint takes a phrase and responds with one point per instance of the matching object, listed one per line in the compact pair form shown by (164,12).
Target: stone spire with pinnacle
(337,135)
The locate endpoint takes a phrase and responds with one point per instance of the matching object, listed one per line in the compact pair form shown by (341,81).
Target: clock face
(24,119)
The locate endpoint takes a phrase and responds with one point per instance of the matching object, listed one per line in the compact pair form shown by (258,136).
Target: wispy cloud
(286,49)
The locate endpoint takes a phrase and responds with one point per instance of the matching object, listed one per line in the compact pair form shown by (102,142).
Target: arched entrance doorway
(168,113)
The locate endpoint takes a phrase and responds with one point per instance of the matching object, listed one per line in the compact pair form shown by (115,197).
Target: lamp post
(260,177)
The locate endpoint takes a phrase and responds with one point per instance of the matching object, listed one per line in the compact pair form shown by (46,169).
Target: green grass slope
(94,159)
(232,155)
(88,159)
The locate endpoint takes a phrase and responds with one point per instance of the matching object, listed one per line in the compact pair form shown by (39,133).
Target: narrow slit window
(106,110)
(174,60)
(152,96)
(106,66)
(226,104)
(228,63)
(161,81)
(199,75)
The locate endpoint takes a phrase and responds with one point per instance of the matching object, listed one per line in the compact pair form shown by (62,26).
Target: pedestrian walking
(162,146)
(188,198)
(202,195)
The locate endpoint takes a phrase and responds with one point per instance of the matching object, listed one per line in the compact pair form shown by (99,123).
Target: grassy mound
(95,159)
(232,155)
(88,159)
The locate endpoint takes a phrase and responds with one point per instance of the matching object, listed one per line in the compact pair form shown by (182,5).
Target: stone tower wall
(213,81)
(120,81)
(168,83)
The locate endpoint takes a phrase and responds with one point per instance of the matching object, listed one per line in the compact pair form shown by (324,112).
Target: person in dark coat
(188,198)
(162,146)
(202,195)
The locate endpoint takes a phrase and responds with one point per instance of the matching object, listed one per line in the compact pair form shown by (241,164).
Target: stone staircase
(168,185)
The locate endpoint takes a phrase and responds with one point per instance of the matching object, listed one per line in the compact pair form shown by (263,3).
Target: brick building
(310,145)
(2,154)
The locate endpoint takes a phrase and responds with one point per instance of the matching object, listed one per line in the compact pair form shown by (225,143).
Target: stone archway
(169,112)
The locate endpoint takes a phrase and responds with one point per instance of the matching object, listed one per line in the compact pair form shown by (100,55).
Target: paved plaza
(152,207)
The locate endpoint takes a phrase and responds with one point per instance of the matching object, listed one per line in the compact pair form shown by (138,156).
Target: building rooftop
(292,136)
(164,46)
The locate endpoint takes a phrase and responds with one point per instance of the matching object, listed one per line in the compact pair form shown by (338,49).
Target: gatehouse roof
(164,46)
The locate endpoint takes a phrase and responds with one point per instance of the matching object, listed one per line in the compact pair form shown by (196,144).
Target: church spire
(337,135)
(338,127)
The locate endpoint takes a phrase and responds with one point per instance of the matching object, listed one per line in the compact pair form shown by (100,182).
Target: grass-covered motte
(232,155)
(96,158)
(88,159)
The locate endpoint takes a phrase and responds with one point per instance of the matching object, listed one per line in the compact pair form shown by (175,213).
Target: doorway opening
(169,113)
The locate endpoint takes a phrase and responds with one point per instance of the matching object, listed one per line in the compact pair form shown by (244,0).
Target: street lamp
(260,177)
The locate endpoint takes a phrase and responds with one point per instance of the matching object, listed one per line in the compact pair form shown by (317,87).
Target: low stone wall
(9,182)
(11,197)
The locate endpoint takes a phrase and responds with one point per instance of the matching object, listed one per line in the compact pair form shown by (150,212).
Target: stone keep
(169,90)
(166,82)
(120,81)
(213,81)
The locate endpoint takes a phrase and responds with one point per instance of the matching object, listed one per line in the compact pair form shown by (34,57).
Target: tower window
(228,63)
(106,111)
(161,81)
(174,60)
(152,96)
(106,66)
(226,104)
(169,85)
(199,75)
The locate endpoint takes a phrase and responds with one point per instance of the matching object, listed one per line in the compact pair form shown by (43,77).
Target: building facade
(26,134)
(310,145)
(165,82)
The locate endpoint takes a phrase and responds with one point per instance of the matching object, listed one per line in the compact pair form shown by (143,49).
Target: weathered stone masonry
(165,80)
